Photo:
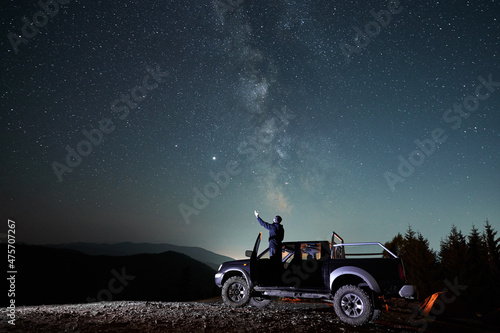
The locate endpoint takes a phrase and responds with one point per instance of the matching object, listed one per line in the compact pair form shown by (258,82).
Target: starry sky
(171,121)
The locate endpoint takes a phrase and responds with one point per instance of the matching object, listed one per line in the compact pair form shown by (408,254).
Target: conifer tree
(491,273)
(477,277)
(473,260)
(419,260)
(476,260)
(492,248)
(452,254)
(396,244)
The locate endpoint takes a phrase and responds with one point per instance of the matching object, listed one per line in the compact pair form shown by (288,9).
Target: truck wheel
(235,292)
(259,301)
(352,305)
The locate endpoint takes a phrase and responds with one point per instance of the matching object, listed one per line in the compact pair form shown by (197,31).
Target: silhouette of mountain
(127,248)
(58,276)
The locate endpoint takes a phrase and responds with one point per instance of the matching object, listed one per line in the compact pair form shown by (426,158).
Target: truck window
(288,254)
(310,251)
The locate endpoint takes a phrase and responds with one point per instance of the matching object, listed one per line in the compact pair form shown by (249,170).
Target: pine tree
(476,259)
(452,255)
(419,260)
(492,248)
(491,272)
(396,244)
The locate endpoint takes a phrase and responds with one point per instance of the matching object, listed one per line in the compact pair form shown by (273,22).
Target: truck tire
(260,301)
(235,292)
(353,305)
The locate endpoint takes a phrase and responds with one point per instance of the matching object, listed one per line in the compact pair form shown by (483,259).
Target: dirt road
(207,316)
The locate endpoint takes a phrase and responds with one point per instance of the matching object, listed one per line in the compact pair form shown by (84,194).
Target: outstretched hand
(256,213)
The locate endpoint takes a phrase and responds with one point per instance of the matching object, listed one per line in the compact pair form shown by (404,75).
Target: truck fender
(244,273)
(367,277)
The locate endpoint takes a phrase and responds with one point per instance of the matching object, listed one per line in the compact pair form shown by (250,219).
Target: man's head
(277,219)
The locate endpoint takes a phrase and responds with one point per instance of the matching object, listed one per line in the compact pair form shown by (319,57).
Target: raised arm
(263,223)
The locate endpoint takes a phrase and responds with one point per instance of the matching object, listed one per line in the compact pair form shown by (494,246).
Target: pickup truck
(356,277)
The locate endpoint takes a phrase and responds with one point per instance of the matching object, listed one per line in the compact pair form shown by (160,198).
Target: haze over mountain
(128,248)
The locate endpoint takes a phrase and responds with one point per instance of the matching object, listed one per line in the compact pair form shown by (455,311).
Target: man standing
(276,235)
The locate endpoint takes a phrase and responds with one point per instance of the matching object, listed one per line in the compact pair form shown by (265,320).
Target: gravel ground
(204,316)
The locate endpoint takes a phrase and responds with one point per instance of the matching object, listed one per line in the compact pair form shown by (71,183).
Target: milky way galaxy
(170,122)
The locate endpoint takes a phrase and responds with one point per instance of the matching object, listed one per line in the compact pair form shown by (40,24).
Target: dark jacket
(276,235)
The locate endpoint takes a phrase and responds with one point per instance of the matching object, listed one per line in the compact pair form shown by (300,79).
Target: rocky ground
(213,316)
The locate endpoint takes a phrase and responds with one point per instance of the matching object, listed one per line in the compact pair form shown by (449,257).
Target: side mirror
(248,253)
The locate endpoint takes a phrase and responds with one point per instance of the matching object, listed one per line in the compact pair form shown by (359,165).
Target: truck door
(253,258)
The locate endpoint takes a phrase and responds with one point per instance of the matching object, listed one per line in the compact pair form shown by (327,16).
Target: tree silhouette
(453,254)
(396,244)
(490,288)
(476,261)
(472,261)
(419,260)
(492,248)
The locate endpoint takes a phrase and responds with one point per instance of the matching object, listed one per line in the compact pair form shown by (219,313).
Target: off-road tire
(353,305)
(235,292)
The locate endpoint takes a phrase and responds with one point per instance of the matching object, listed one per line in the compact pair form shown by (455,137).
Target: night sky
(171,121)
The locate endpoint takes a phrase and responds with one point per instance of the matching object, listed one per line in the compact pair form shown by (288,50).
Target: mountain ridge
(200,254)
(66,276)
